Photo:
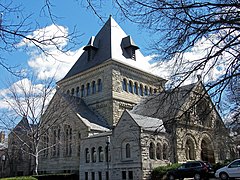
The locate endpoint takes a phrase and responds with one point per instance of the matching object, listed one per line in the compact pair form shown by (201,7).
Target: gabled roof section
(147,123)
(85,114)
(22,126)
(167,104)
(111,43)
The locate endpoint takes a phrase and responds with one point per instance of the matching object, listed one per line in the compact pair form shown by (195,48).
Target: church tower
(111,74)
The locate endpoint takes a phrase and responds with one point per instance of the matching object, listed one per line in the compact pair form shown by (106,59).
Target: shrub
(160,171)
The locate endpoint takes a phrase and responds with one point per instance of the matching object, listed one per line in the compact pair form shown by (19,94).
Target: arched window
(135,88)
(189,150)
(58,145)
(128,150)
(72,92)
(141,89)
(88,89)
(165,151)
(158,151)
(145,90)
(82,91)
(124,85)
(77,92)
(151,90)
(54,142)
(152,151)
(68,141)
(68,92)
(107,154)
(99,84)
(155,91)
(87,155)
(93,87)
(100,154)
(130,87)
(94,156)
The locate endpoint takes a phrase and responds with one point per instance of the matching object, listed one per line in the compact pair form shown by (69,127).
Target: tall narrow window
(107,154)
(58,143)
(155,91)
(141,89)
(68,92)
(93,175)
(130,87)
(151,90)
(158,151)
(82,91)
(124,85)
(165,151)
(88,89)
(135,88)
(100,154)
(87,155)
(130,175)
(72,92)
(94,156)
(128,150)
(124,175)
(54,142)
(77,92)
(151,151)
(68,141)
(93,87)
(99,84)
(145,90)
(99,175)
(86,175)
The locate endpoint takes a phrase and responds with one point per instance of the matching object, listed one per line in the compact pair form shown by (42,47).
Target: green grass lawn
(20,178)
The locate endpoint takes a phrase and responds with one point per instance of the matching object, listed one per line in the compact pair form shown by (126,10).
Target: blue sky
(74,14)
(70,15)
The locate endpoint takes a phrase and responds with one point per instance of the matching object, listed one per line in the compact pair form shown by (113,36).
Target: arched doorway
(207,152)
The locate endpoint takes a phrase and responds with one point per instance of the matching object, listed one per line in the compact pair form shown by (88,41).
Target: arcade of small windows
(137,89)
(86,90)
(97,154)
(158,151)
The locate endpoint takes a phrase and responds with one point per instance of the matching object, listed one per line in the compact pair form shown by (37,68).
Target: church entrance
(207,152)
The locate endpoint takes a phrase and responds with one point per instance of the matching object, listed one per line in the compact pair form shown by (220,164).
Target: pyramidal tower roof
(111,43)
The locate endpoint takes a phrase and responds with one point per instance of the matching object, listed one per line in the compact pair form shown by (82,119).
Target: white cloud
(23,94)
(56,65)
(53,61)
(47,37)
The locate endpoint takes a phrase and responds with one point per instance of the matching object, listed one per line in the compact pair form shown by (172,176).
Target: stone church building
(115,120)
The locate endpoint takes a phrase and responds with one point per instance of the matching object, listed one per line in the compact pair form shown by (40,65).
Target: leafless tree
(180,25)
(30,101)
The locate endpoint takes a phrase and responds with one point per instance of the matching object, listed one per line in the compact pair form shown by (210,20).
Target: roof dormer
(91,48)
(129,48)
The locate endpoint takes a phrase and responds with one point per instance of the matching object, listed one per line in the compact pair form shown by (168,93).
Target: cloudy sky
(67,18)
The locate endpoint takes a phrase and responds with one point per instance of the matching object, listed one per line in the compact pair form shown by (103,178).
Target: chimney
(2,137)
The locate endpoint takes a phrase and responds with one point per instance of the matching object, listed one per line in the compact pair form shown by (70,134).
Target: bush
(159,172)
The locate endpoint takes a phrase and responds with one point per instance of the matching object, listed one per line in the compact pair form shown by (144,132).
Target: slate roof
(85,114)
(165,105)
(109,44)
(148,123)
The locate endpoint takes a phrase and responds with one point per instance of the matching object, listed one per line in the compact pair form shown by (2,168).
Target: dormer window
(129,48)
(91,48)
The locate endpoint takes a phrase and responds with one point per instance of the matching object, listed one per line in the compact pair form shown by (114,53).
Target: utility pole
(107,157)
